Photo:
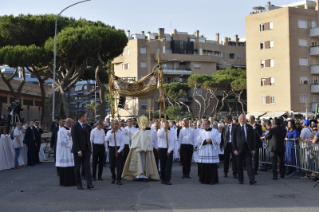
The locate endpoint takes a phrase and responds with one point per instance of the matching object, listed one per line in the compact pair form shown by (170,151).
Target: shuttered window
(304,80)
(304,98)
(302,24)
(303,42)
(303,61)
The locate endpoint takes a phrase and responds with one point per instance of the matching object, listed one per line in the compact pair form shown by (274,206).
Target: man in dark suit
(258,134)
(82,150)
(243,142)
(227,146)
(38,132)
(29,140)
(276,137)
(54,138)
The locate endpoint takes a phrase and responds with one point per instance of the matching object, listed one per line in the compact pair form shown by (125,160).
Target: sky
(208,16)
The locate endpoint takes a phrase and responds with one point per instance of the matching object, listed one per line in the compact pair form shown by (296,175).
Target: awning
(256,114)
(272,115)
(309,114)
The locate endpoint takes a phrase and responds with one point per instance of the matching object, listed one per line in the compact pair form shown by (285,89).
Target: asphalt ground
(33,189)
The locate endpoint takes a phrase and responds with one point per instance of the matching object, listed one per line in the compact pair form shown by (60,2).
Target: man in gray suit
(243,142)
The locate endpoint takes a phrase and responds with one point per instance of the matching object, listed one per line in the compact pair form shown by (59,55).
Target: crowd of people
(206,142)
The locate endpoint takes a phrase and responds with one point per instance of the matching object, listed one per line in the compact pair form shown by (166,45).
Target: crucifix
(149,113)
(307,106)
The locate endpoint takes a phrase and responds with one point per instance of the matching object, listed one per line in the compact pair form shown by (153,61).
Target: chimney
(197,33)
(268,3)
(226,41)
(217,37)
(129,34)
(142,32)
(161,33)
(236,40)
(317,5)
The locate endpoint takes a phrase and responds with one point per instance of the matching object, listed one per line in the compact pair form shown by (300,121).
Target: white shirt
(17,132)
(109,138)
(186,136)
(154,139)
(128,134)
(161,140)
(230,128)
(97,137)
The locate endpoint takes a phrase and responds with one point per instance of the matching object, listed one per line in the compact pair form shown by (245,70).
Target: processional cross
(149,113)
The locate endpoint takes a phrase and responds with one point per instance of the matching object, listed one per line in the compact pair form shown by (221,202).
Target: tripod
(14,120)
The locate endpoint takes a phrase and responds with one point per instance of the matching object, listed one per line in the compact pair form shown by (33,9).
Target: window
(200,51)
(143,106)
(314,61)
(158,50)
(304,80)
(314,43)
(266,26)
(197,65)
(143,50)
(304,98)
(313,24)
(263,100)
(198,93)
(271,25)
(239,56)
(76,106)
(272,63)
(261,27)
(267,44)
(76,98)
(302,24)
(315,80)
(303,61)
(125,66)
(231,56)
(303,42)
(128,52)
(197,106)
(271,44)
(262,45)
(315,98)
(262,64)
(272,80)
(222,55)
(267,63)
(143,65)
(85,87)
(272,99)
(267,81)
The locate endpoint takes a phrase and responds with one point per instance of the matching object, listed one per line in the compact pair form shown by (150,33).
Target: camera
(16,107)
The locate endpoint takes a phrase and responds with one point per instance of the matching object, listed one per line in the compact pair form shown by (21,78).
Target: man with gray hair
(98,149)
(213,123)
(186,146)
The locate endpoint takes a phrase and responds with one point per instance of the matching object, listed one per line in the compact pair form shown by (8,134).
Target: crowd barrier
(299,155)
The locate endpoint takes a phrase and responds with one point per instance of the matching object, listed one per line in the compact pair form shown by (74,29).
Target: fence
(301,155)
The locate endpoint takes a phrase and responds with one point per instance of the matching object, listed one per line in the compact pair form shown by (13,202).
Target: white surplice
(64,157)
(208,152)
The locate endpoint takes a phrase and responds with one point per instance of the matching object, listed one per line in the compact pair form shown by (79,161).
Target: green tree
(175,91)
(92,109)
(238,86)
(177,113)
(196,81)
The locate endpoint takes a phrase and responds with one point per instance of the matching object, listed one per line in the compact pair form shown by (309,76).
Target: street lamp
(54,59)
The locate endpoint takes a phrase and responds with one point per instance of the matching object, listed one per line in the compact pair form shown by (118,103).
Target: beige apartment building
(282,60)
(183,54)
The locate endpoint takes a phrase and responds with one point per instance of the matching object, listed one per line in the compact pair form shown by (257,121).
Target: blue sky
(208,16)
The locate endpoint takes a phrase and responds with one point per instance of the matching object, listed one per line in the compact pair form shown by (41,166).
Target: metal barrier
(301,155)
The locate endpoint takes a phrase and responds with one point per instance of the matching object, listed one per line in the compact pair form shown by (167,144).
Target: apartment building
(282,60)
(183,54)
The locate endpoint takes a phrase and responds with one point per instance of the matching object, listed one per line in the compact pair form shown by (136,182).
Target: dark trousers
(36,153)
(256,160)
(245,155)
(227,152)
(156,156)
(115,161)
(8,124)
(30,154)
(187,154)
(85,162)
(98,158)
(126,151)
(274,156)
(166,164)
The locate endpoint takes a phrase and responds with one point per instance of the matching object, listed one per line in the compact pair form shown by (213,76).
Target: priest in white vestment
(64,156)
(208,154)
(140,162)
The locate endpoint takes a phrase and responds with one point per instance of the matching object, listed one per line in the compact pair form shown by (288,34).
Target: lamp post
(54,59)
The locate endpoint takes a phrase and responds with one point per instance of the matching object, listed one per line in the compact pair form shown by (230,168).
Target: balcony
(313,107)
(168,71)
(314,32)
(314,69)
(315,88)
(314,51)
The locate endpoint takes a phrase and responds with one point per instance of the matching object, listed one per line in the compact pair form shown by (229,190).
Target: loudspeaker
(121,102)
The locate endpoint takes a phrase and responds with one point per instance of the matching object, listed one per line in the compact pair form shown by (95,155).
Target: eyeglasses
(315,129)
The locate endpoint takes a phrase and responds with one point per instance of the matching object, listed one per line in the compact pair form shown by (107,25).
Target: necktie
(83,127)
(33,134)
(243,130)
(228,134)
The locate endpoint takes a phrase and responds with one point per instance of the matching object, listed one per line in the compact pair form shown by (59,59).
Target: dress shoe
(90,186)
(225,175)
(253,182)
(113,181)
(275,178)
(184,176)
(187,176)
(241,182)
(145,180)
(30,164)
(282,176)
(163,182)
(100,179)
(168,183)
(119,182)
(80,187)
(94,178)
(263,170)
(235,176)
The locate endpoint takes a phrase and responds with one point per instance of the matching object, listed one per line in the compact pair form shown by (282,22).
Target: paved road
(41,192)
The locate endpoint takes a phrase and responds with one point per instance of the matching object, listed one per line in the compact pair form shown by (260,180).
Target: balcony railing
(314,32)
(314,69)
(314,51)
(315,88)
(176,71)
